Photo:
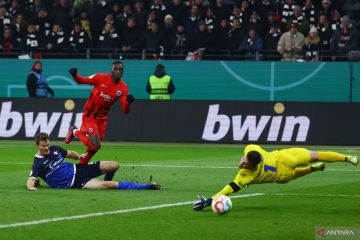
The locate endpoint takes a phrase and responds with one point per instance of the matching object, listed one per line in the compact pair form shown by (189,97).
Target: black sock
(109,176)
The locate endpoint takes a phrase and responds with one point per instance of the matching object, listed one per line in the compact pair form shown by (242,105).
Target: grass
(285,211)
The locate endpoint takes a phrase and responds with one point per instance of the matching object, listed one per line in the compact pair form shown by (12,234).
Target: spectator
(78,39)
(221,33)
(169,27)
(160,85)
(234,36)
(251,45)
(325,34)
(264,7)
(159,8)
(15,8)
(132,37)
(4,18)
(255,23)
(43,23)
(310,12)
(109,37)
(178,10)
(326,9)
(191,21)
(85,23)
(180,39)
(298,18)
(152,18)
(202,6)
(312,46)
(291,43)
(270,42)
(61,15)
(220,10)
(57,40)
(7,40)
(287,9)
(210,20)
(140,15)
(202,38)
(36,83)
(335,20)
(35,7)
(32,40)
(344,39)
(19,26)
(154,40)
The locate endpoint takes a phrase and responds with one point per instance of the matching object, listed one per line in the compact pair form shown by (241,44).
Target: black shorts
(86,172)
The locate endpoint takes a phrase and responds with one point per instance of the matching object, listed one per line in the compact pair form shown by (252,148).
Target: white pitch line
(182,166)
(311,194)
(48,220)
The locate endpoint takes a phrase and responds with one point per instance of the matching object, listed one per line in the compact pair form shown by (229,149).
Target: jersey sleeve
(35,169)
(92,80)
(125,106)
(63,152)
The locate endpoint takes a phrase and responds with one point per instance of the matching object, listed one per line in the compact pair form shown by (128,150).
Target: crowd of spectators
(256,29)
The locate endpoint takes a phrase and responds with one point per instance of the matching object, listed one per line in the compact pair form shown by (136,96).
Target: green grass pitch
(282,211)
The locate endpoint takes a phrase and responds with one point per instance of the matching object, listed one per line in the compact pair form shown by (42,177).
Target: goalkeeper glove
(73,71)
(202,203)
(130,98)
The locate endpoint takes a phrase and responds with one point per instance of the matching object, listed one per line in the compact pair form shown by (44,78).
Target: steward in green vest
(160,85)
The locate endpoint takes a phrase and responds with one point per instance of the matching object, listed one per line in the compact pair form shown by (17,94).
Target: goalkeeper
(280,166)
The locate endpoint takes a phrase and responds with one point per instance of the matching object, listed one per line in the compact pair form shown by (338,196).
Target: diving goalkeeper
(280,166)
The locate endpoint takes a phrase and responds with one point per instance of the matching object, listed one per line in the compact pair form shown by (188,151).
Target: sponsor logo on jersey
(105,97)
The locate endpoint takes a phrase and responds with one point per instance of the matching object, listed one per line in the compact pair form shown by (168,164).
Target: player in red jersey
(108,88)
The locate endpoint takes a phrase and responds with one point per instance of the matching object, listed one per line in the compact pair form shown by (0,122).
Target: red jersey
(104,94)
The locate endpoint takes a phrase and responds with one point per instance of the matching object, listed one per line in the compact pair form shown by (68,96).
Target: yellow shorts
(294,157)
(289,159)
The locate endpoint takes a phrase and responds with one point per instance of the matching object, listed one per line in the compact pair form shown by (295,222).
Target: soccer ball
(221,205)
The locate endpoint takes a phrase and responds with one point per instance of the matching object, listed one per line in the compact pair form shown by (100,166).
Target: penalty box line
(97,214)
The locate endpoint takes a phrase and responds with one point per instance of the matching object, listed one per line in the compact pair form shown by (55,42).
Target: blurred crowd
(258,29)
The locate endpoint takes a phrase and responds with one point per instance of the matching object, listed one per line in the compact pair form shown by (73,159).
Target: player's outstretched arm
(31,184)
(73,155)
(79,79)
(228,189)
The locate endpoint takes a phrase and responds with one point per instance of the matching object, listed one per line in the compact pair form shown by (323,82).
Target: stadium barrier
(192,121)
(210,80)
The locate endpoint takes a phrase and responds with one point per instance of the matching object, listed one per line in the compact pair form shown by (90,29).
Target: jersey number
(269,168)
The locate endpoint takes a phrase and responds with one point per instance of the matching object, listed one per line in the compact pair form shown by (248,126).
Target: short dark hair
(42,136)
(117,62)
(254,157)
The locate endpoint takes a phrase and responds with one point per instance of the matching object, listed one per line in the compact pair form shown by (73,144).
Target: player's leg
(94,140)
(302,171)
(108,166)
(102,124)
(333,157)
(86,178)
(98,184)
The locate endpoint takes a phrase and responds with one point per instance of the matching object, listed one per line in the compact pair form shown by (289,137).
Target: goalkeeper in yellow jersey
(280,166)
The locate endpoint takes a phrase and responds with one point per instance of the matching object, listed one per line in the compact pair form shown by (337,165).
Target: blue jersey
(53,169)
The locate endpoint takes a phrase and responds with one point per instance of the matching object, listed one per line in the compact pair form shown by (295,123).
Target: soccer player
(108,88)
(281,166)
(49,165)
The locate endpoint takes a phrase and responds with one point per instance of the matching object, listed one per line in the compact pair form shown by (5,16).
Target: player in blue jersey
(49,165)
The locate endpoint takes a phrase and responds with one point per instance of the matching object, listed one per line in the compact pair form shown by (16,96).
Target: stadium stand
(177,29)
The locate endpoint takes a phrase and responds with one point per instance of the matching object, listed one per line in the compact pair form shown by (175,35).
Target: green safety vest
(159,87)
